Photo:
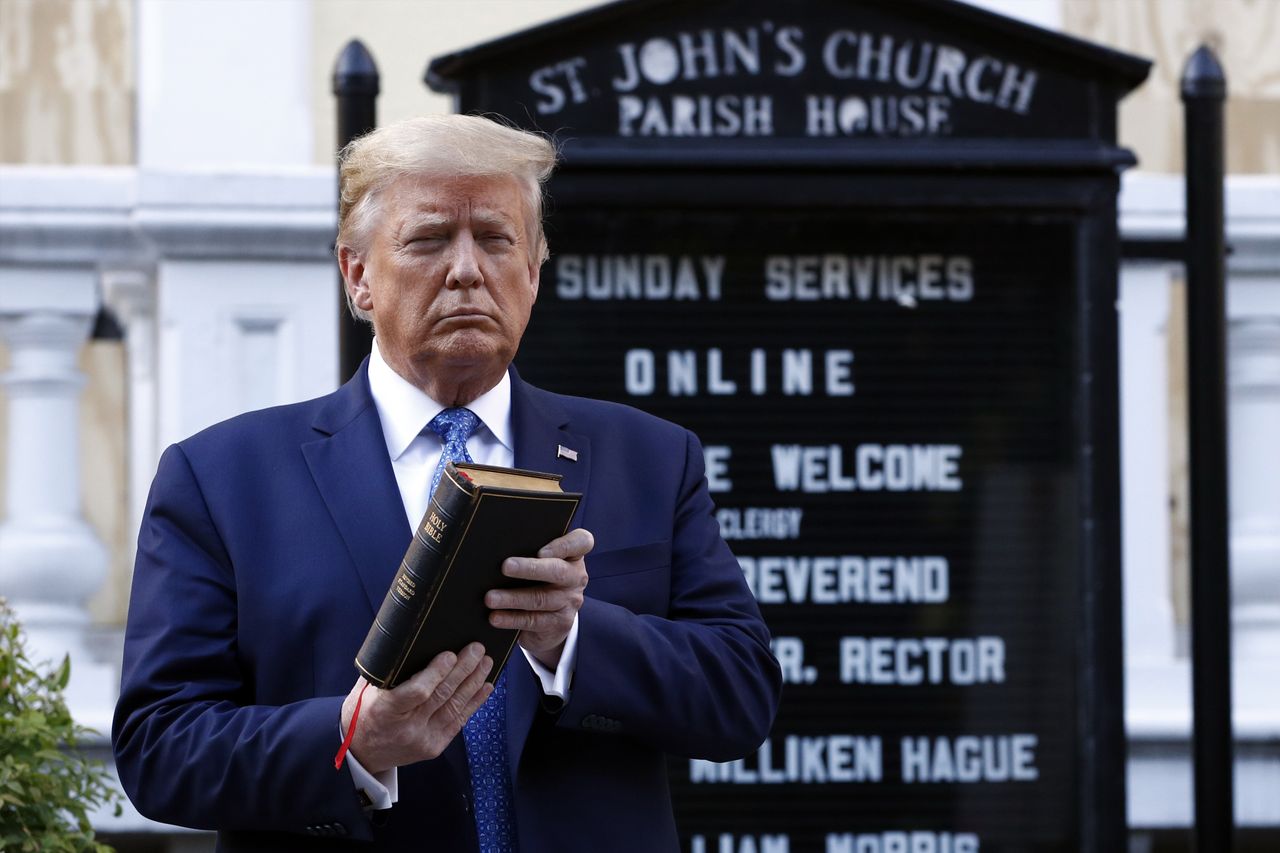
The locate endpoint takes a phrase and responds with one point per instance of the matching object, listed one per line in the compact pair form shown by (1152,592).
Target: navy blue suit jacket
(269,541)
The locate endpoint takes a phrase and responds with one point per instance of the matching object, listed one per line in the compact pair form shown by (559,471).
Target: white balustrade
(131,295)
(225,285)
(1254,390)
(51,561)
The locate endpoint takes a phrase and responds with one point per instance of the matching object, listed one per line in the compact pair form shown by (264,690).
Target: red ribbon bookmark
(351,731)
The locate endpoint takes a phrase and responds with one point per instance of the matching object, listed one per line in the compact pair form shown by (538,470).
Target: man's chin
(472,353)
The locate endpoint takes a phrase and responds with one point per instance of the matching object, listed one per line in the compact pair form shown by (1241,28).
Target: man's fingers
(544,611)
(411,693)
(469,660)
(432,708)
(477,699)
(434,685)
(543,599)
(528,620)
(548,570)
(575,543)
(462,704)
(533,598)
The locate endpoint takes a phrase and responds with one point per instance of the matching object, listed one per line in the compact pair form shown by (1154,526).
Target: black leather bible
(479,516)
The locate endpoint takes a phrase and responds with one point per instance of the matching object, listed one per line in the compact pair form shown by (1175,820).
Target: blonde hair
(453,145)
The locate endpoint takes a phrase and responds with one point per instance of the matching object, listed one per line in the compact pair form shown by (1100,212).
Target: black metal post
(1204,89)
(355,85)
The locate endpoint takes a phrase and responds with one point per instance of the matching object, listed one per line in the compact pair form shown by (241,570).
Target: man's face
(448,276)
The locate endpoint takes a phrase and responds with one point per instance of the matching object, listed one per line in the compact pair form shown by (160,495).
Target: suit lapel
(349,463)
(541,427)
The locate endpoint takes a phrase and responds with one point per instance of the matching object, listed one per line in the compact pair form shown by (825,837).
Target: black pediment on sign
(753,75)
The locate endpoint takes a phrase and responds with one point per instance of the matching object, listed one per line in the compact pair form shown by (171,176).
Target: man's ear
(535,271)
(353,277)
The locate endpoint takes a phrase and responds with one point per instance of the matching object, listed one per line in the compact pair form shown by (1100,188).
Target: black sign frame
(1072,179)
(1089,202)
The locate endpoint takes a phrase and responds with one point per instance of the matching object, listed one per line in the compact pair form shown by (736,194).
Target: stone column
(1254,418)
(51,561)
(131,295)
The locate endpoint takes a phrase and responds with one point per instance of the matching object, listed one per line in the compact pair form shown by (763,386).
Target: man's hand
(419,718)
(544,613)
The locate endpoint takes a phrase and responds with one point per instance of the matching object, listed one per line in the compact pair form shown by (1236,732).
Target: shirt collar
(405,410)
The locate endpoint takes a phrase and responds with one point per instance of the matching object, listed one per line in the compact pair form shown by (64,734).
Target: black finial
(355,72)
(1202,76)
(106,327)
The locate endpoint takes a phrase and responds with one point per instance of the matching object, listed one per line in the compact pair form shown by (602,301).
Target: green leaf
(47,787)
(64,672)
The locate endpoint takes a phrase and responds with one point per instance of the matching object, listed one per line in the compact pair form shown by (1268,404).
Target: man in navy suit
(269,541)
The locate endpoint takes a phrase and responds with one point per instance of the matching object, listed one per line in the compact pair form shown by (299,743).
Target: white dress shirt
(405,411)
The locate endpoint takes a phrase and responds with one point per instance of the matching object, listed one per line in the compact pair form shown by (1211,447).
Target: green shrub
(47,788)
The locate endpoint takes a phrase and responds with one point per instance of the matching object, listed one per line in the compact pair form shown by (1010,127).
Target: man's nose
(464,265)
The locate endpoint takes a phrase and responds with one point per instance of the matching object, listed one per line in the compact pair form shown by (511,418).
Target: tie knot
(454,425)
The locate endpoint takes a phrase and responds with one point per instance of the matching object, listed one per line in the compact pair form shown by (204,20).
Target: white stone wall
(1157,669)
(227,290)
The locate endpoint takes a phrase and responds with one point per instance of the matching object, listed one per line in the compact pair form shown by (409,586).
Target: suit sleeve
(191,747)
(699,682)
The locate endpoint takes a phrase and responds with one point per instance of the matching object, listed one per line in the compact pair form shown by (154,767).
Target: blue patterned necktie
(454,426)
(486,732)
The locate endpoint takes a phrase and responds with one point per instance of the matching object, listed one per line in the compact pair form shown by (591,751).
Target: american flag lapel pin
(563,452)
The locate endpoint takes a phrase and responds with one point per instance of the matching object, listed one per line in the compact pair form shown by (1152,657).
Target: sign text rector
(863,83)
(866,250)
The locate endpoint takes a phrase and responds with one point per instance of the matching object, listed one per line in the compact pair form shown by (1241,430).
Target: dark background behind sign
(993,375)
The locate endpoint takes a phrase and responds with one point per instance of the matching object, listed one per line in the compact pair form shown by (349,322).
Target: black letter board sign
(867,250)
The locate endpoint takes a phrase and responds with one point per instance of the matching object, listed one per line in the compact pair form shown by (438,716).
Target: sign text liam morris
(911,84)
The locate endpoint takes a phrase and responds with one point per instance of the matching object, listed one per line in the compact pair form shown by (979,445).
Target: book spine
(415,585)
